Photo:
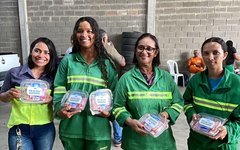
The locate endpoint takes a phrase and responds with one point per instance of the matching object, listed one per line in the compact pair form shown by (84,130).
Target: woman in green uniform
(146,89)
(216,92)
(87,69)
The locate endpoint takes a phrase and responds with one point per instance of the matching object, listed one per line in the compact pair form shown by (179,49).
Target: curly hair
(98,46)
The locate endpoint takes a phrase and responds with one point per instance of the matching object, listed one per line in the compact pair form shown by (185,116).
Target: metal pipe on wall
(24,32)
(151,14)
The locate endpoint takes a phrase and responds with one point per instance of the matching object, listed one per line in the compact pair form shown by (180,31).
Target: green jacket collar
(225,83)
(79,58)
(136,73)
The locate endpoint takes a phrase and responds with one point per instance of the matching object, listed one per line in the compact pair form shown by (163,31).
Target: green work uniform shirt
(134,98)
(223,102)
(74,73)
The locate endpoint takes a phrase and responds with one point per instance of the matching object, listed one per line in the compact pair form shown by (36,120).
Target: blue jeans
(117,132)
(34,137)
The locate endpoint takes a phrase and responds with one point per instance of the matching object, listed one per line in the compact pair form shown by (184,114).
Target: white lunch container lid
(74,100)
(100,100)
(154,124)
(207,124)
(34,91)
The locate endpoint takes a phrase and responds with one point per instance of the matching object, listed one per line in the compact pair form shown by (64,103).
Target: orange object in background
(194,69)
(196,64)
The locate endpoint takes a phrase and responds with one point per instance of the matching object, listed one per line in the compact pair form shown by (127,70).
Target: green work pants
(82,144)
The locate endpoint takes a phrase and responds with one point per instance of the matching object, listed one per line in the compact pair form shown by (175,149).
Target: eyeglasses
(149,49)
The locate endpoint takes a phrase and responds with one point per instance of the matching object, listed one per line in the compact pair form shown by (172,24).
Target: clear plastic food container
(34,91)
(154,124)
(100,100)
(207,124)
(74,100)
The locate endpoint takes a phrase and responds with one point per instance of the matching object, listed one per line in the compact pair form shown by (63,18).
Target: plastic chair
(173,70)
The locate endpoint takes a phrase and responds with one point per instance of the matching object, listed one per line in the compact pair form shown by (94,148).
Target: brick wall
(9,27)
(56,19)
(183,25)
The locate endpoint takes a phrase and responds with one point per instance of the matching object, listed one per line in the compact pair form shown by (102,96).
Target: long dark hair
(156,60)
(102,33)
(98,46)
(95,29)
(51,67)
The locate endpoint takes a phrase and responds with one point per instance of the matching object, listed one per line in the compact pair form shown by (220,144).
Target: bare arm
(9,95)
(236,56)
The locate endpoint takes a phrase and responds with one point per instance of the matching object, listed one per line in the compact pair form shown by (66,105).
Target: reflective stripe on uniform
(188,106)
(60,90)
(177,107)
(149,95)
(212,104)
(86,79)
(118,111)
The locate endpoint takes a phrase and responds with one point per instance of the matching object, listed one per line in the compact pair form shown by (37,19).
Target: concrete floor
(180,130)
(5,109)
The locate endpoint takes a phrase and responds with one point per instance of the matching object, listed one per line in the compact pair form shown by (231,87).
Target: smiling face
(40,55)
(213,55)
(146,51)
(85,36)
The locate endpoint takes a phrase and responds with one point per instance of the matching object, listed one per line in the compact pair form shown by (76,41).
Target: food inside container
(100,100)
(207,124)
(154,124)
(34,91)
(74,100)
